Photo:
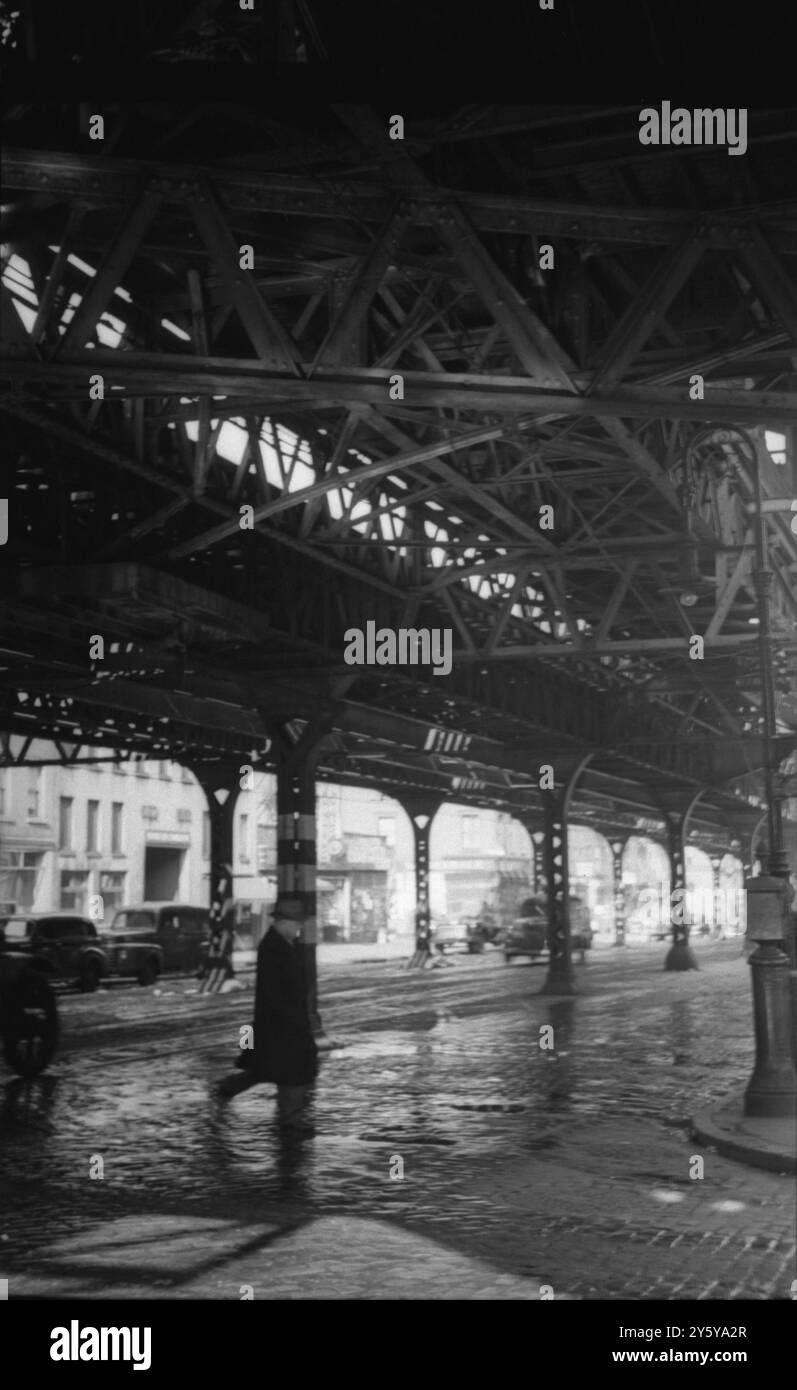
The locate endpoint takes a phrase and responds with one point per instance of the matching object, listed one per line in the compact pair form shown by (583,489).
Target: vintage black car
(64,946)
(146,939)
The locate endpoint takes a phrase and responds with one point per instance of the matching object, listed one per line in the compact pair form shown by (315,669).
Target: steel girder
(300,386)
(98,180)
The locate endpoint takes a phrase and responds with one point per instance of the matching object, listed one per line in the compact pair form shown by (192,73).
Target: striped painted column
(221,786)
(556,812)
(421,811)
(676,815)
(296,858)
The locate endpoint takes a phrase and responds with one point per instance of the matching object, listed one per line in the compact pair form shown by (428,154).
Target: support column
(718,921)
(422,811)
(531,824)
(556,808)
(296,843)
(221,785)
(617,847)
(680,955)
(538,842)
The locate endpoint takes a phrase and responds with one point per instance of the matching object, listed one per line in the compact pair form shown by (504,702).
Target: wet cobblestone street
(522,1167)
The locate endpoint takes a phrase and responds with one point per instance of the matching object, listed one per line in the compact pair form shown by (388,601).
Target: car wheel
(148,973)
(475,948)
(89,976)
(30,1027)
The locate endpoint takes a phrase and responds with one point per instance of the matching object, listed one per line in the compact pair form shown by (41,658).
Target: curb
(745,1138)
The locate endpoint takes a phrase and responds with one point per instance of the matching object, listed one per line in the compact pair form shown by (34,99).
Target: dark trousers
(291,1100)
(291,1103)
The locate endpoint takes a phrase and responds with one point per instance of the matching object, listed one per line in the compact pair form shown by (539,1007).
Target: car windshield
(123,921)
(16,929)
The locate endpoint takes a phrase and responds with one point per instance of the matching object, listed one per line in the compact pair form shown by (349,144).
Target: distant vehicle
(482,931)
(145,940)
(528,934)
(449,935)
(64,946)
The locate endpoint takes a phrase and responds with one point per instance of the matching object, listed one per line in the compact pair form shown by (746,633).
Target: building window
(186,776)
(116,828)
(92,823)
(149,813)
(19,871)
(183,816)
(264,842)
(243,838)
(165,770)
(206,834)
(470,832)
(74,891)
(112,891)
(141,769)
(65,822)
(33,795)
(387,830)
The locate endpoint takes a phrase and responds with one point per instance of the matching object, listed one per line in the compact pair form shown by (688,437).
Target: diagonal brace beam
(271,341)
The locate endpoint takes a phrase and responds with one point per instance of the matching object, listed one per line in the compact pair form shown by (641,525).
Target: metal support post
(296,844)
(421,811)
(680,955)
(617,847)
(221,785)
(556,807)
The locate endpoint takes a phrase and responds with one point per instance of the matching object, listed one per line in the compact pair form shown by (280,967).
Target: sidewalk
(764,1143)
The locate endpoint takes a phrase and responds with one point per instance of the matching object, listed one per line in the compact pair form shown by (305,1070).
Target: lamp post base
(772,1090)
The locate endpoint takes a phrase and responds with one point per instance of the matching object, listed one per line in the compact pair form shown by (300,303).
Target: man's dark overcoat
(284,1047)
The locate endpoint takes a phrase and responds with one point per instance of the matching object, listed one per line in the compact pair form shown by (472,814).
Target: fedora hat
(289,908)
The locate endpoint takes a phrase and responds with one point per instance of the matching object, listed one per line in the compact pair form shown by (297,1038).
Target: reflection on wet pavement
(534,1158)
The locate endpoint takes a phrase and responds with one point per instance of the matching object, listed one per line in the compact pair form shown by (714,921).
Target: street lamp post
(772,1089)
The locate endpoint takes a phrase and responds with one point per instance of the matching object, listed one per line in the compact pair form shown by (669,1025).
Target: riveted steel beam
(272,343)
(98,180)
(645,311)
(174,374)
(114,264)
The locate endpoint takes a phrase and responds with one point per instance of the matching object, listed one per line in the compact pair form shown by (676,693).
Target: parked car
(528,934)
(62,945)
(146,939)
(482,931)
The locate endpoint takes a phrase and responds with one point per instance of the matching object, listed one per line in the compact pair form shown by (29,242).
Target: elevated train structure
(267,378)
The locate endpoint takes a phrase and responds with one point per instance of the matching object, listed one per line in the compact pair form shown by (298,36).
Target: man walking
(284,1047)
